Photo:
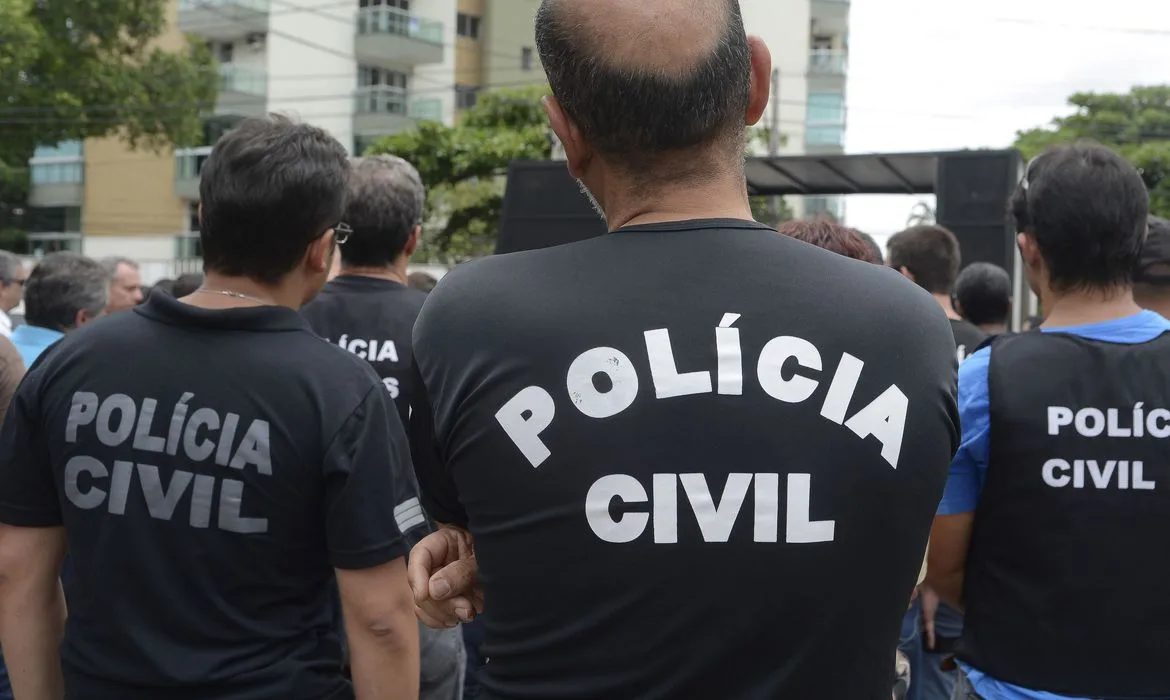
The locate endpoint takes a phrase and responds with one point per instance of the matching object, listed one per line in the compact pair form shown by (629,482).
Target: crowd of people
(694,459)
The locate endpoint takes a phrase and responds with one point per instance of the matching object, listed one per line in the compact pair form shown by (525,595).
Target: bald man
(676,485)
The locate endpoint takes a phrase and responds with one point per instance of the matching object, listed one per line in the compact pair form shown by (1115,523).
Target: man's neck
(944,300)
(1088,307)
(395,272)
(993,328)
(227,292)
(723,197)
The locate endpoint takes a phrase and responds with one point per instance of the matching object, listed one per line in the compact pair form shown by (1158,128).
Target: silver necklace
(234,295)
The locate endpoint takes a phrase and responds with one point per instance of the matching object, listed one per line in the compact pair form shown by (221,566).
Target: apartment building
(361,69)
(809,41)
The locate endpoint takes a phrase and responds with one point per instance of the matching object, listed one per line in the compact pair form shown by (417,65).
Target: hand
(930,602)
(443,578)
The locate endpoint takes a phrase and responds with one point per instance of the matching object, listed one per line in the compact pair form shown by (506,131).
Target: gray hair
(60,286)
(9,264)
(111,264)
(386,199)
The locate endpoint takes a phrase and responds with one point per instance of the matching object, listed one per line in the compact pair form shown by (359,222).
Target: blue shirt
(969,468)
(31,341)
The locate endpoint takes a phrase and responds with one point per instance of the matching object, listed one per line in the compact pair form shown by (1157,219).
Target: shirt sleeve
(440,497)
(969,466)
(28,493)
(370,494)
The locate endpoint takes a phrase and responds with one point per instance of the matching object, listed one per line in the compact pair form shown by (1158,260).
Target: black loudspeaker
(973,189)
(544,207)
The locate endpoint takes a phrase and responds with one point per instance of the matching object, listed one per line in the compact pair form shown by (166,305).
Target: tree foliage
(74,69)
(1135,124)
(462,165)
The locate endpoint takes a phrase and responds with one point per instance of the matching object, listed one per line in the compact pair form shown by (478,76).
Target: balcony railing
(828,61)
(255,5)
(824,134)
(235,79)
(386,99)
(57,170)
(391,20)
(189,162)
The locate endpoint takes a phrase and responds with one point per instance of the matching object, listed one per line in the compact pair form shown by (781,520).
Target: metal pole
(774,140)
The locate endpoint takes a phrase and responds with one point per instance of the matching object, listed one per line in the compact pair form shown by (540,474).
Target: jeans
(928,681)
(443,662)
(963,689)
(472,639)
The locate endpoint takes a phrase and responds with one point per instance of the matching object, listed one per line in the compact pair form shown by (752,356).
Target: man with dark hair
(213,467)
(1151,280)
(421,281)
(930,257)
(983,297)
(187,284)
(369,310)
(125,284)
(630,439)
(877,249)
(63,293)
(1057,507)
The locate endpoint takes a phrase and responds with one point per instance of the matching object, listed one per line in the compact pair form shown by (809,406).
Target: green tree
(462,165)
(74,69)
(1135,124)
(771,211)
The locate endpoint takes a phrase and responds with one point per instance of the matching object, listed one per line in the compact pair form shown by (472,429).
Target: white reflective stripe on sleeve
(409,514)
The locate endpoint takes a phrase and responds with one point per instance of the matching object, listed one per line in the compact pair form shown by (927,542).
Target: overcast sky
(948,74)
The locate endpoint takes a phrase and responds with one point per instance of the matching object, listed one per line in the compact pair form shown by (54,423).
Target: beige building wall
(469,52)
(507,33)
(131,193)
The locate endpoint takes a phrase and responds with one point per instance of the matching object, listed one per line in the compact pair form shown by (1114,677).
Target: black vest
(1068,574)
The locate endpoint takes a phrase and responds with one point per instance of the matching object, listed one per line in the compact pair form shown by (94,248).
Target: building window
(41,244)
(54,219)
(825,135)
(62,173)
(826,108)
(224,52)
(382,76)
(467,25)
(526,58)
(466,96)
(403,5)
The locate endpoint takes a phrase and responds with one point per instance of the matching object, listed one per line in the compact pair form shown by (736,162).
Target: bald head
(643,80)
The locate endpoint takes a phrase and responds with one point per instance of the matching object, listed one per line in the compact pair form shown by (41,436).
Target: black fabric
(968,338)
(203,564)
(1066,583)
(1154,265)
(599,600)
(372,318)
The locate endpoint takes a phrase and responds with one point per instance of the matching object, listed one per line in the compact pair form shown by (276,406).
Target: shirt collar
(166,309)
(35,335)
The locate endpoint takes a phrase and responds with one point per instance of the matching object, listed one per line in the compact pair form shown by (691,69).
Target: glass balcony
(56,175)
(242,80)
(388,35)
(188,165)
(223,19)
(828,61)
(824,135)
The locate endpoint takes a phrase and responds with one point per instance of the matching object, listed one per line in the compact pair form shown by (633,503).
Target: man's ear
(319,256)
(578,153)
(412,241)
(906,273)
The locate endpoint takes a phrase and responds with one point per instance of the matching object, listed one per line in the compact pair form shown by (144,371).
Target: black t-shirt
(372,318)
(699,459)
(211,468)
(968,338)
